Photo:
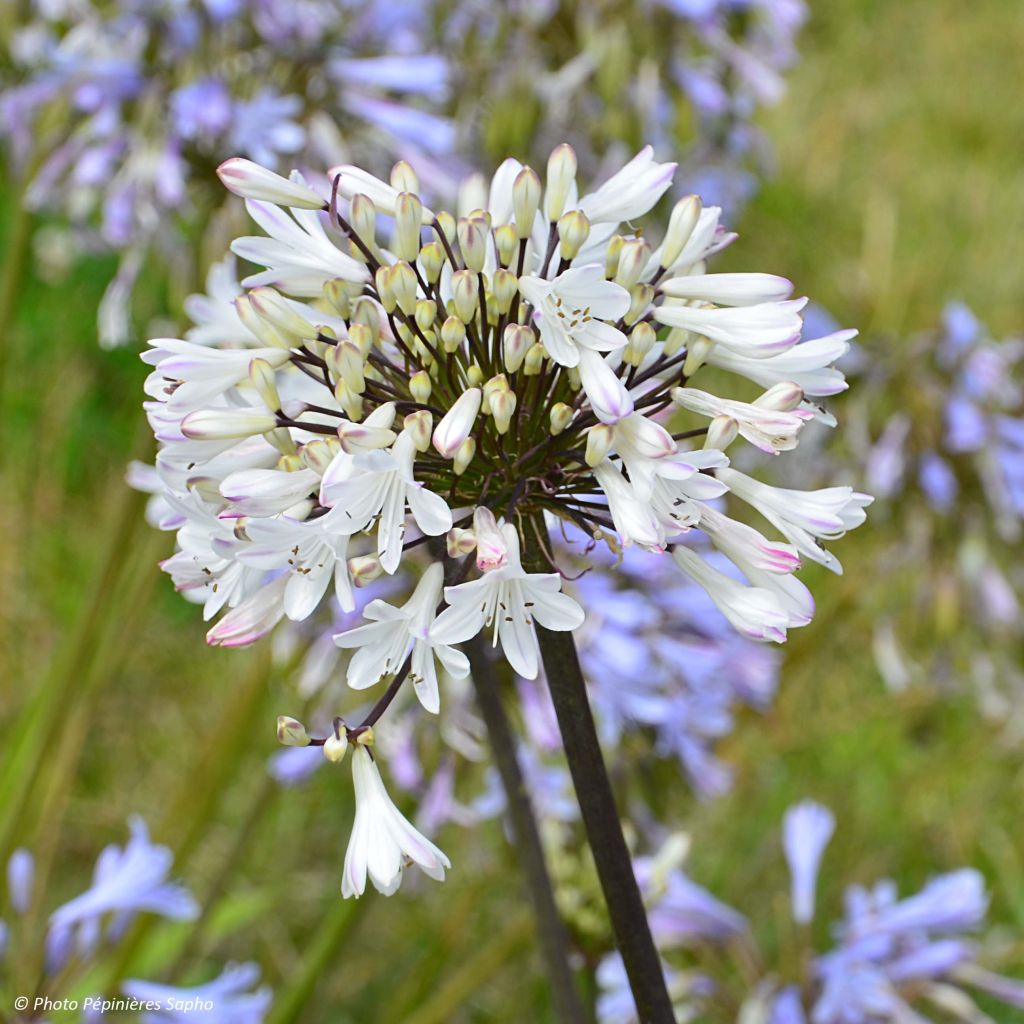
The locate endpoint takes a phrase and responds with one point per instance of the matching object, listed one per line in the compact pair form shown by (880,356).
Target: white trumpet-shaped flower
(382,840)
(509,600)
(383,643)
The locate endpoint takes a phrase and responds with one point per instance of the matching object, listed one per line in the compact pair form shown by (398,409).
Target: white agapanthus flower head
(399,387)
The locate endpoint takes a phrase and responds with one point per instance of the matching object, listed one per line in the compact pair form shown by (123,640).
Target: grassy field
(899,185)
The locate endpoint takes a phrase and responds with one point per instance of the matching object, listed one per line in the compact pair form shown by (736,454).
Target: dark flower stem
(551,930)
(604,830)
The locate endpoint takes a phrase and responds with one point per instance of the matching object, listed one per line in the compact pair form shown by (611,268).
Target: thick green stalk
(551,930)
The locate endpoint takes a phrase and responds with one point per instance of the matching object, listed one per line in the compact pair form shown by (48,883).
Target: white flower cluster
(396,375)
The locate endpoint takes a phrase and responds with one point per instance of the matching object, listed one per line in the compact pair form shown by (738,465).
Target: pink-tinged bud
(364,569)
(782,397)
(291,732)
(319,454)
(362,437)
(491,549)
(250,181)
(503,407)
(464,456)
(224,424)
(460,542)
(473,232)
(516,343)
(418,426)
(465,295)
(457,424)
(721,433)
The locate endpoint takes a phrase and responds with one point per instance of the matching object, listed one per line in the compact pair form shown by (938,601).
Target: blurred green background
(899,185)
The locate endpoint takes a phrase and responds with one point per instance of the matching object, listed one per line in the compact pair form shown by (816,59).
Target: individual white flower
(382,644)
(681,484)
(803,517)
(753,611)
(729,289)
(299,257)
(382,839)
(379,486)
(249,180)
(510,600)
(770,429)
(213,312)
(631,192)
(634,519)
(758,331)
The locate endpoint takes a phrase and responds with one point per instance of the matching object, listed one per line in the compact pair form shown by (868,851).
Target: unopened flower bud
(403,284)
(534,359)
(722,431)
(696,353)
(291,732)
(432,258)
(612,254)
(276,309)
(503,407)
(363,736)
(365,311)
(632,261)
(491,549)
(472,194)
(319,454)
(560,178)
(678,338)
(506,241)
(350,402)
(573,231)
(335,746)
(516,343)
(403,178)
(526,190)
(473,232)
(446,225)
(460,542)
(641,340)
(419,425)
(338,298)
(363,217)
(224,424)
(457,424)
(346,360)
(782,397)
(453,334)
(362,337)
(599,440)
(474,375)
(362,437)
(681,223)
(504,286)
(561,417)
(420,386)
(382,281)
(464,456)
(364,569)
(640,296)
(250,181)
(405,242)
(465,295)
(383,416)
(494,385)
(426,314)
(263,378)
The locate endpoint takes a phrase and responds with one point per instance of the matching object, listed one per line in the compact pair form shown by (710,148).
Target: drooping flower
(230,998)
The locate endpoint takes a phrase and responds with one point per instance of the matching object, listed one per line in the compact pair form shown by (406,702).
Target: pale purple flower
(231,998)
(806,829)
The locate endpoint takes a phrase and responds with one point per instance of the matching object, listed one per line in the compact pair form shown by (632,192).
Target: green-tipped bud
(351,402)
(639,302)
(599,440)
(383,281)
(365,311)
(504,285)
(612,253)
(419,425)
(420,386)
(561,175)
(561,417)
(281,439)
(263,378)
(405,241)
(290,463)
(426,314)
(446,222)
(492,387)
(526,190)
(403,285)
(503,407)
(364,569)
(464,456)
(403,178)
(363,217)
(363,736)
(465,295)
(515,344)
(573,231)
(632,261)
(696,354)
(291,732)
(432,259)
(346,360)
(336,746)
(641,341)
(362,337)
(338,298)
(474,375)
(678,338)
(534,360)
(453,334)
(506,241)
(681,223)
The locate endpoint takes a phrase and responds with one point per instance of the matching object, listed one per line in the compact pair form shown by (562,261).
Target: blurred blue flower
(230,998)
